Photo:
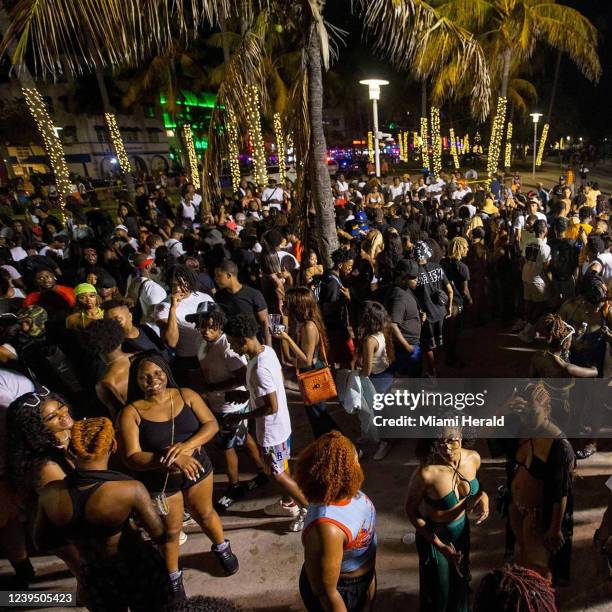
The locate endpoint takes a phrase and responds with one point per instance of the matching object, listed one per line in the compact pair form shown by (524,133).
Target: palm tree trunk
(553,92)
(424,98)
(55,151)
(505,73)
(224,41)
(319,175)
(108,109)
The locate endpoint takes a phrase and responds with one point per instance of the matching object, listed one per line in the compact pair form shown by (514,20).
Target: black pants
(354,592)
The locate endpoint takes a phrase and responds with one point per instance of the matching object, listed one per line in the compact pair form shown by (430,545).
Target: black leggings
(354,592)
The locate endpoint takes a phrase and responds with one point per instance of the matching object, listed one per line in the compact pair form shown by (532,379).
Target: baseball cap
(203,309)
(214,237)
(141,260)
(121,227)
(407,268)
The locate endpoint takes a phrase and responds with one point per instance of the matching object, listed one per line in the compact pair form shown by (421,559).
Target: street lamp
(536,118)
(374,86)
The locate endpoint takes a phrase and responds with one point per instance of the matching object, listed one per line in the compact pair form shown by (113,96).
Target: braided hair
(515,589)
(92,438)
(556,330)
(183,275)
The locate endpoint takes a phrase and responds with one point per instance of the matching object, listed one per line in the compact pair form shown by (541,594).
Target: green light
(189,98)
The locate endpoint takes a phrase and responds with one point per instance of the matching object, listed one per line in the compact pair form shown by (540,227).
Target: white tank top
(605,260)
(380,361)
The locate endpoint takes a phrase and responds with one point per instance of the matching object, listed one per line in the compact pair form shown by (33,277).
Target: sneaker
(297,524)
(227,559)
(280,509)
(182,537)
(409,538)
(258,481)
(382,451)
(178,589)
(586,452)
(188,521)
(232,494)
(518,325)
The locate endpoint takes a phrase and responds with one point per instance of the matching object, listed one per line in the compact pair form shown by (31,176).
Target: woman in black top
(163,429)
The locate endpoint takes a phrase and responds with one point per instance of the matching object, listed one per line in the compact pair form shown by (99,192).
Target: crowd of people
(135,346)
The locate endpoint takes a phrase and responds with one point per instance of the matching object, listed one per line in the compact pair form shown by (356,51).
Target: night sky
(581,108)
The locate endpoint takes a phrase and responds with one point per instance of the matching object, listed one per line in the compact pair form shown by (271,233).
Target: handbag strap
(322,353)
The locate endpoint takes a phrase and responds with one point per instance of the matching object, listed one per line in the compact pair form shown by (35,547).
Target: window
(149,111)
(69,135)
(102,135)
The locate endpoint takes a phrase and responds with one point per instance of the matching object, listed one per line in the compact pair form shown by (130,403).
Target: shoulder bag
(317,385)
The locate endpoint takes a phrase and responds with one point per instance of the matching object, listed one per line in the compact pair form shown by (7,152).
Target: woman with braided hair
(541,489)
(91,509)
(515,589)
(339,536)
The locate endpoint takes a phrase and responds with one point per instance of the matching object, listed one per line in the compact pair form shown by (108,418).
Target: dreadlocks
(92,438)
(183,275)
(515,589)
(458,248)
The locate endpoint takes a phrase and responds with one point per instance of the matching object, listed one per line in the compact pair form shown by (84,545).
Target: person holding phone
(441,491)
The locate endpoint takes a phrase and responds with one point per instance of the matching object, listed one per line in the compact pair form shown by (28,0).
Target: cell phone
(278,328)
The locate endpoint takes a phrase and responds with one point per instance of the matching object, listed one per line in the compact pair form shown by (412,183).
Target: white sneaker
(182,538)
(297,524)
(518,325)
(381,451)
(409,538)
(280,509)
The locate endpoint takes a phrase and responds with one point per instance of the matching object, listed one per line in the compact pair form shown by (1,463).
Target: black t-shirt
(398,223)
(431,281)
(246,301)
(404,311)
(457,273)
(332,302)
(563,258)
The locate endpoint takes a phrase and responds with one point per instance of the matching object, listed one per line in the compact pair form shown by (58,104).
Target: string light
(508,159)
(542,145)
(280,147)
(400,138)
(497,133)
(191,154)
(113,130)
(436,141)
(466,143)
(424,147)
(477,146)
(232,132)
(53,145)
(371,146)
(453,148)
(260,171)
(406,146)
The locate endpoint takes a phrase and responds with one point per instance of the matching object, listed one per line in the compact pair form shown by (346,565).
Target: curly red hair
(92,438)
(328,470)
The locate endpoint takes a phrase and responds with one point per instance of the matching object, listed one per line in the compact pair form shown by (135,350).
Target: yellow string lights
(453,148)
(436,141)
(53,145)
(508,156)
(542,146)
(260,171)
(424,146)
(497,133)
(113,130)
(406,146)
(280,147)
(400,138)
(371,146)
(232,132)
(466,143)
(191,154)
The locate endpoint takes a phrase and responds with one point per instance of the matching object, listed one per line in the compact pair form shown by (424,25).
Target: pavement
(271,556)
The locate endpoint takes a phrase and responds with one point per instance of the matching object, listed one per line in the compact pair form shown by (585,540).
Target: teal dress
(442,587)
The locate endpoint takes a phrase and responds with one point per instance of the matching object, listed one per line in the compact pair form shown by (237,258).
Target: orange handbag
(317,385)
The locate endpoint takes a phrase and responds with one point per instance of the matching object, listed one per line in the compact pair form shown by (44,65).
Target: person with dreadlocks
(339,536)
(458,275)
(441,491)
(541,489)
(163,429)
(91,508)
(176,331)
(514,589)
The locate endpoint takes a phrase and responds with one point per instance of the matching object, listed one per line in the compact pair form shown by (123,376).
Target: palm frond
(414,35)
(84,35)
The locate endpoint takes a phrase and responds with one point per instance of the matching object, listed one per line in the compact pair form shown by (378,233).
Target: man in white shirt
(535,281)
(174,244)
(176,331)
(461,192)
(268,406)
(223,374)
(341,186)
(396,191)
(142,290)
(273,195)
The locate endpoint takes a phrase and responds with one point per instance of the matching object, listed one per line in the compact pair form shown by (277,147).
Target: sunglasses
(38,397)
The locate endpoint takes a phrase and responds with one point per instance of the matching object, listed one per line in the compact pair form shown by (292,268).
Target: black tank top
(156,436)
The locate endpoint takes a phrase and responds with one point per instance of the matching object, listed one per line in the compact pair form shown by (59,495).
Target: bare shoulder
(471,457)
(428,473)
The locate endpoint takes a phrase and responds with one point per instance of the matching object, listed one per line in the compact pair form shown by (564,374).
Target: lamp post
(374,86)
(536,118)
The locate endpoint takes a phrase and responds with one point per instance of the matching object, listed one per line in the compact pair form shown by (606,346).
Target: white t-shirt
(470,207)
(396,191)
(187,211)
(290,265)
(12,386)
(460,193)
(272,196)
(264,376)
(18,253)
(520,220)
(604,259)
(342,186)
(175,247)
(12,272)
(189,337)
(218,362)
(537,255)
(151,295)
